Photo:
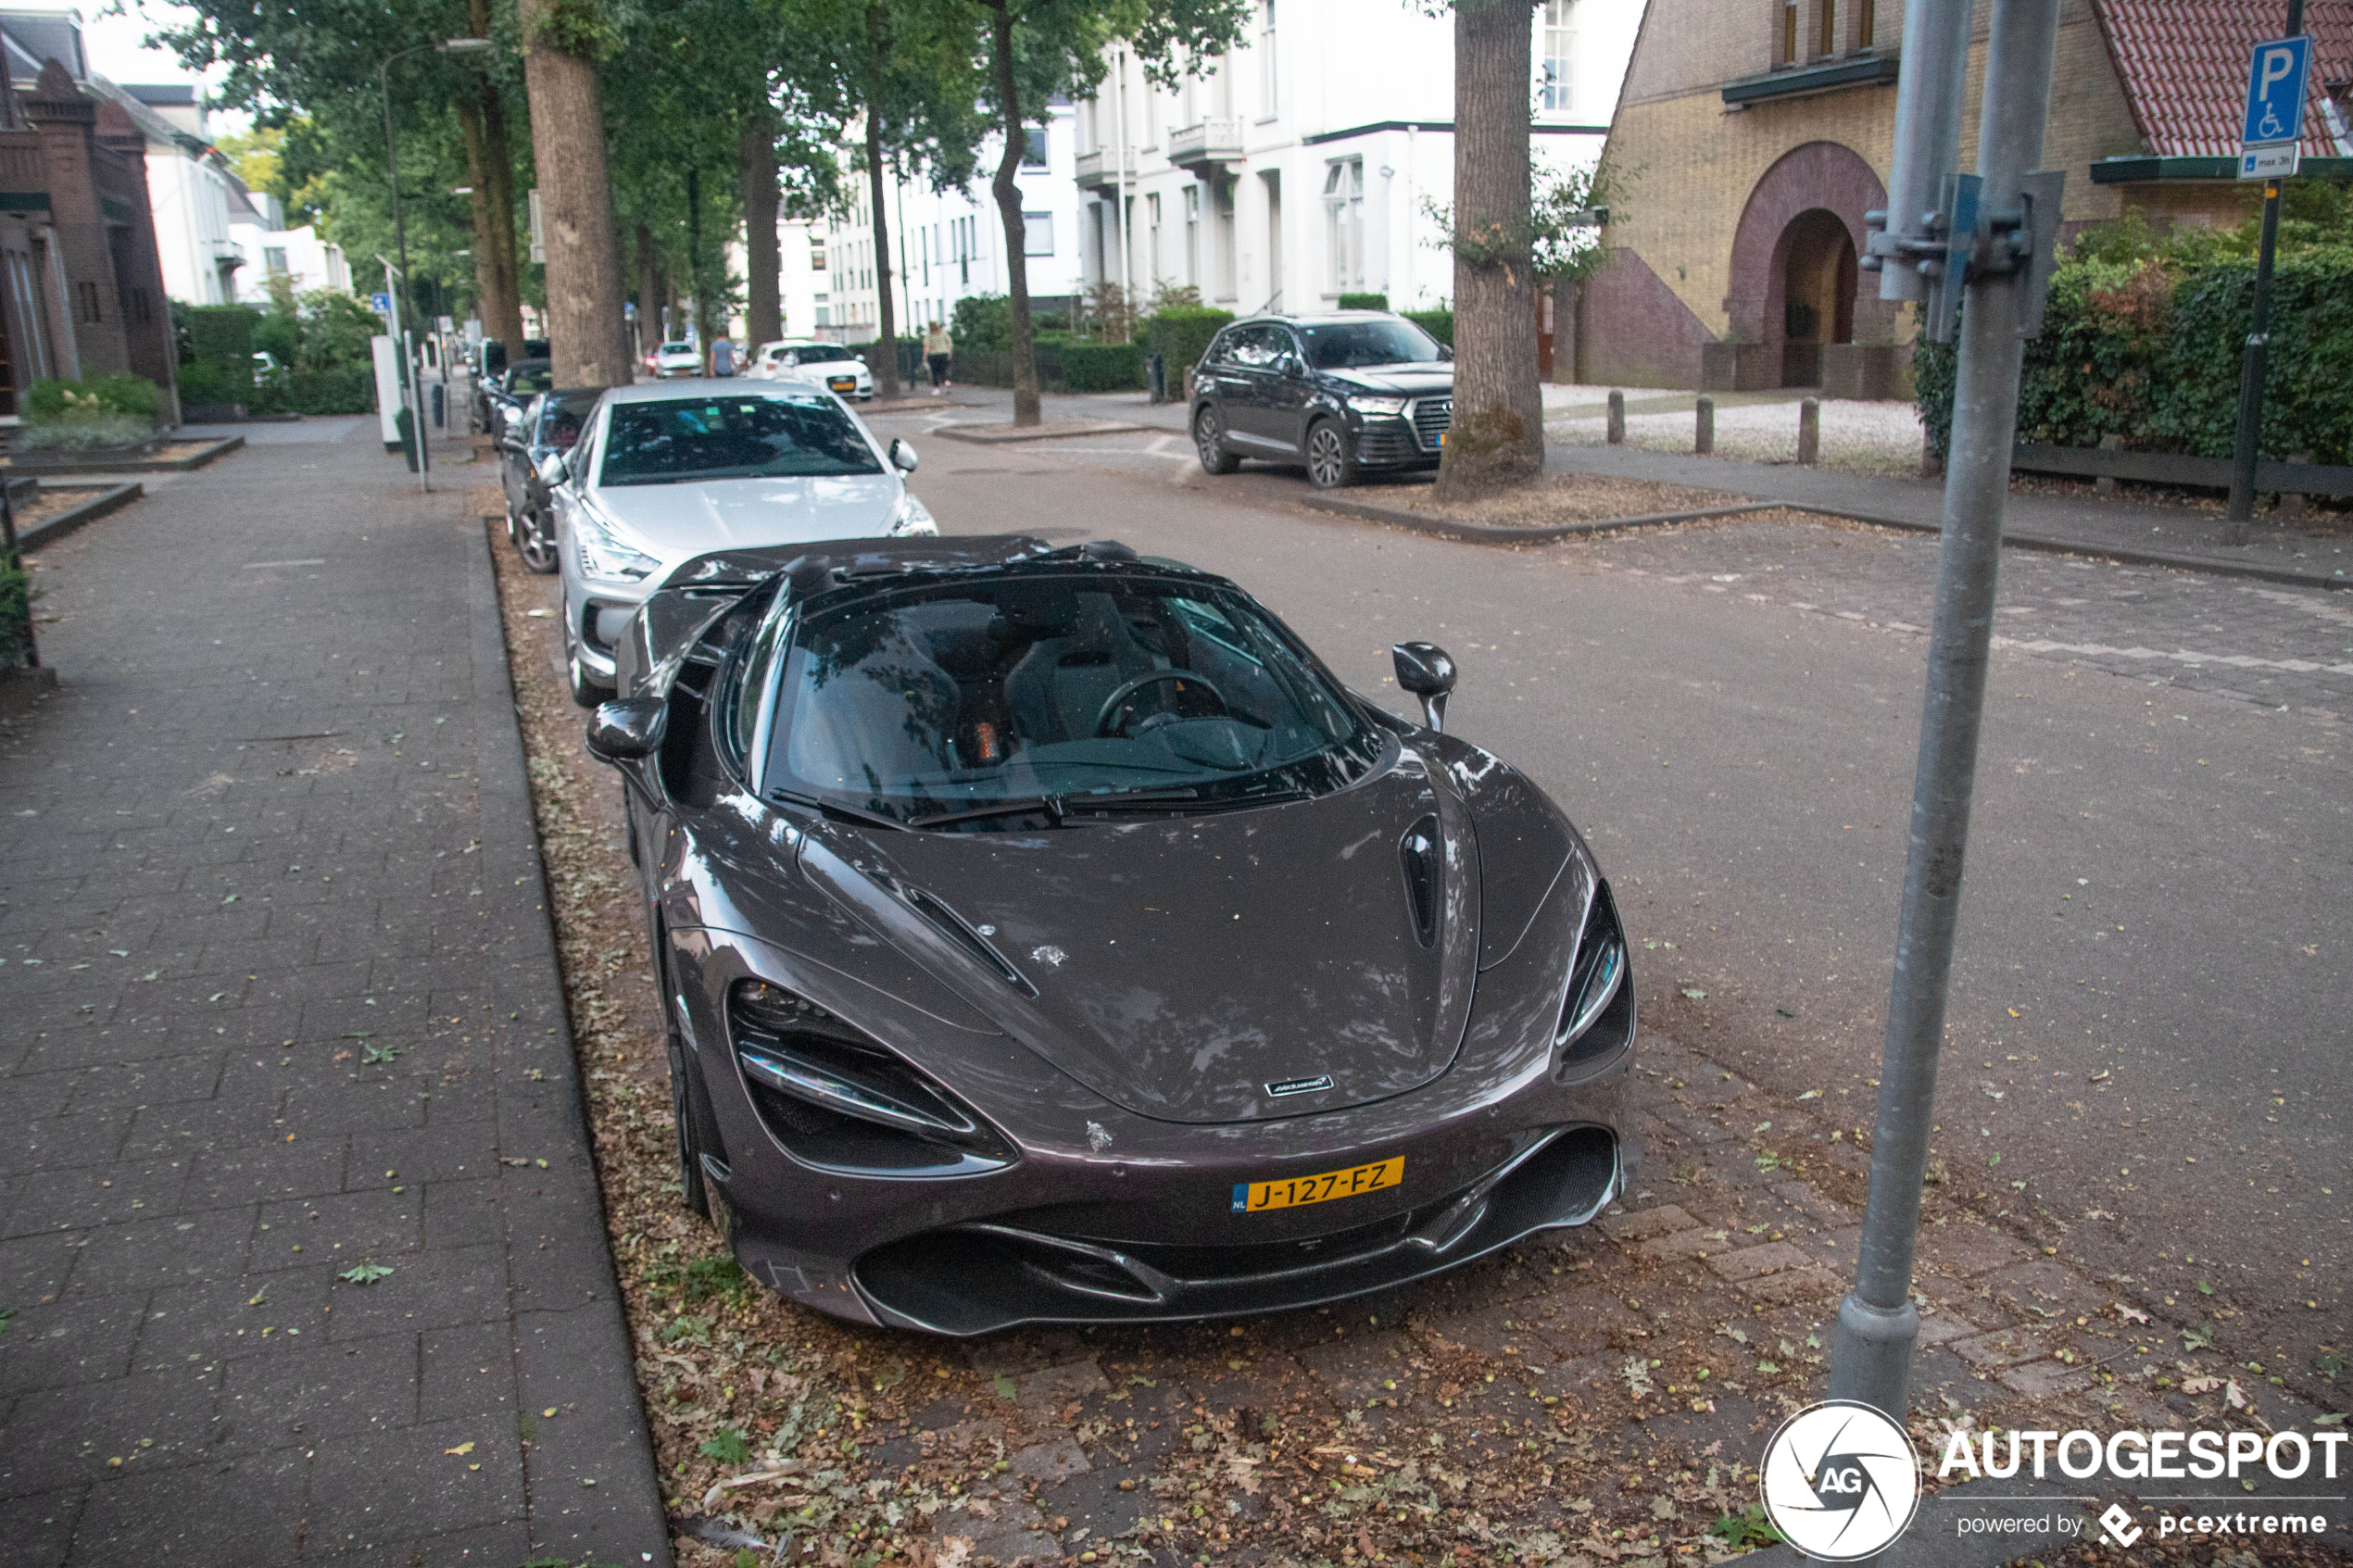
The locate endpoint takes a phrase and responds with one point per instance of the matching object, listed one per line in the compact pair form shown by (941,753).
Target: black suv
(1345,392)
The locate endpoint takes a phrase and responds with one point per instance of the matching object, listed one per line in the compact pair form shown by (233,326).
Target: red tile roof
(2185,63)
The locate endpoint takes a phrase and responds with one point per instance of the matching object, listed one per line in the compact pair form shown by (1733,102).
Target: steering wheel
(1118,699)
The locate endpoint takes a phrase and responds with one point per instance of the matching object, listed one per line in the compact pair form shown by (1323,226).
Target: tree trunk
(649,292)
(1025,349)
(587,337)
(887,372)
(1497,434)
(756,186)
(494,200)
(694,279)
(498,166)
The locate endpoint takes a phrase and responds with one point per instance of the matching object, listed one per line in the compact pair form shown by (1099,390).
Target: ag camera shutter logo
(1840,1481)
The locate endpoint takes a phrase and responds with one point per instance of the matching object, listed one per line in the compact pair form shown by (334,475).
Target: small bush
(80,434)
(1439,324)
(1364,302)
(122,393)
(201,382)
(983,321)
(16,594)
(349,390)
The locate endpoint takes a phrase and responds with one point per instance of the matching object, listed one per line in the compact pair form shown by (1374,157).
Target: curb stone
(110,498)
(1449,528)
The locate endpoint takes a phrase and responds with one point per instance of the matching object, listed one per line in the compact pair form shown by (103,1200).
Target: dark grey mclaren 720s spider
(1045,935)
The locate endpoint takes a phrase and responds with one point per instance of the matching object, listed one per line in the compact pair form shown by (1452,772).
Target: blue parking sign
(381,301)
(2275,91)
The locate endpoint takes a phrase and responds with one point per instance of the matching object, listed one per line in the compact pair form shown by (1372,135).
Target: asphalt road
(2145,1064)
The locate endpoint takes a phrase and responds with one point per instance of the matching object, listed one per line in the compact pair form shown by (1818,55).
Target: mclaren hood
(1223,967)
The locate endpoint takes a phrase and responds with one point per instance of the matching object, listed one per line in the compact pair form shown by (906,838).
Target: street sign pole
(2263,75)
(2005,237)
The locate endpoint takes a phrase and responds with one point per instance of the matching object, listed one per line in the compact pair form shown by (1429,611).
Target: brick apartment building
(1758,132)
(81,291)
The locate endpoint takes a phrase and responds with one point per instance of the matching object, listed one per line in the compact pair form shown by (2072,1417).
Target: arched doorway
(1818,278)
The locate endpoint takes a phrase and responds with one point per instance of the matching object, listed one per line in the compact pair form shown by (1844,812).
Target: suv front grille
(1432,418)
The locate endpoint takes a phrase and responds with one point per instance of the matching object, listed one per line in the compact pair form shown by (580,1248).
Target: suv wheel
(1331,461)
(1209,432)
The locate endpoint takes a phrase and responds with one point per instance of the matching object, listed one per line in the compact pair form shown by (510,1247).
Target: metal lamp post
(400,234)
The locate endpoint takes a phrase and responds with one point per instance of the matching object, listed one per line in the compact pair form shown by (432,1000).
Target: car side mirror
(1425,669)
(628,729)
(553,469)
(902,456)
(1446,351)
(1292,369)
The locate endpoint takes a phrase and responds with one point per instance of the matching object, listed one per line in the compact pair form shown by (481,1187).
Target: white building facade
(946,245)
(258,229)
(1305,165)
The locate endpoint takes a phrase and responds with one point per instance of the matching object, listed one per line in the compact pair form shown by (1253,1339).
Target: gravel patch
(1867,438)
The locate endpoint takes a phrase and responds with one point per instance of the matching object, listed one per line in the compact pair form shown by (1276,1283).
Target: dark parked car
(550,422)
(516,386)
(1346,393)
(1045,935)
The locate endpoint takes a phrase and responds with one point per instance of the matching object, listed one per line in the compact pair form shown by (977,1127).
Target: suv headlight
(1378,405)
(603,555)
(912,516)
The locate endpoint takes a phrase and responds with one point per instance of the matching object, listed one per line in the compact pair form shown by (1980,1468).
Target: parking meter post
(2254,359)
(1877,1324)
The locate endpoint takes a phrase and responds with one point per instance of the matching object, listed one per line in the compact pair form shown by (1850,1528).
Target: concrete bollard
(1809,431)
(2106,483)
(1617,417)
(1932,460)
(1704,436)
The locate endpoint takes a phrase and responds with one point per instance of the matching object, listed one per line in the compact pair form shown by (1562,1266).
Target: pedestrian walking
(938,350)
(722,357)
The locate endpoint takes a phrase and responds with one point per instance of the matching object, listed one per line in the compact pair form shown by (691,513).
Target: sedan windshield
(677,348)
(732,436)
(824,354)
(1055,696)
(1347,344)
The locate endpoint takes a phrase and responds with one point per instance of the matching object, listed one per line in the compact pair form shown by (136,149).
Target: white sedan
(838,370)
(677,359)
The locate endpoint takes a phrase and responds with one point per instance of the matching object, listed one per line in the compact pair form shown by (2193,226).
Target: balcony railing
(1203,148)
(1100,171)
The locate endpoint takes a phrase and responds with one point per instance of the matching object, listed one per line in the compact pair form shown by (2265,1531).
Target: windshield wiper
(834,809)
(1177,800)
(1020,805)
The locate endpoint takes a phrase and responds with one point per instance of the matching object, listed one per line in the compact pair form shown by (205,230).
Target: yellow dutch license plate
(1442,438)
(1252,1197)
(843,383)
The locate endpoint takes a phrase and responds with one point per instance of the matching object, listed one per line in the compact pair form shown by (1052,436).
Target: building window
(142,308)
(1788,43)
(275,258)
(1269,99)
(1192,235)
(1864,24)
(1033,154)
(86,303)
(1152,235)
(817,254)
(1554,92)
(1344,224)
(1830,28)
(1037,233)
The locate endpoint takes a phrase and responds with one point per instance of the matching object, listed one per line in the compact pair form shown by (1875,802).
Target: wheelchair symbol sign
(2275,91)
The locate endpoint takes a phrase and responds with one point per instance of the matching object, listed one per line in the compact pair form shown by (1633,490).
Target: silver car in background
(665,471)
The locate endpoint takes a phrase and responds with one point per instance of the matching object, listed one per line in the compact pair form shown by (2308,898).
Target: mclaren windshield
(1001,702)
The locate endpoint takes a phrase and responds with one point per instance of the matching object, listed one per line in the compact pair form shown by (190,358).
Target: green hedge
(16,594)
(2151,354)
(983,320)
(1364,302)
(221,337)
(351,389)
(1181,336)
(1095,367)
(120,393)
(1439,324)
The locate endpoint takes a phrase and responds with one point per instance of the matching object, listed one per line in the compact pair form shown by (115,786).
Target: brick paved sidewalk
(283,1011)
(2123,529)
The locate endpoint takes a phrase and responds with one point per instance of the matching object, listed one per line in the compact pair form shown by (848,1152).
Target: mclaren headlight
(1597,1008)
(602,555)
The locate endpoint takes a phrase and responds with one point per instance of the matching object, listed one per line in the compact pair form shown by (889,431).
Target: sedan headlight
(1378,405)
(603,555)
(912,516)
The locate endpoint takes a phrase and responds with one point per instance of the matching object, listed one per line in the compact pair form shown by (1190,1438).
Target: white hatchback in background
(837,370)
(665,471)
(677,359)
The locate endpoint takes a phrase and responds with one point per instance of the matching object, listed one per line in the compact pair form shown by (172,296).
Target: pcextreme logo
(1841,1481)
